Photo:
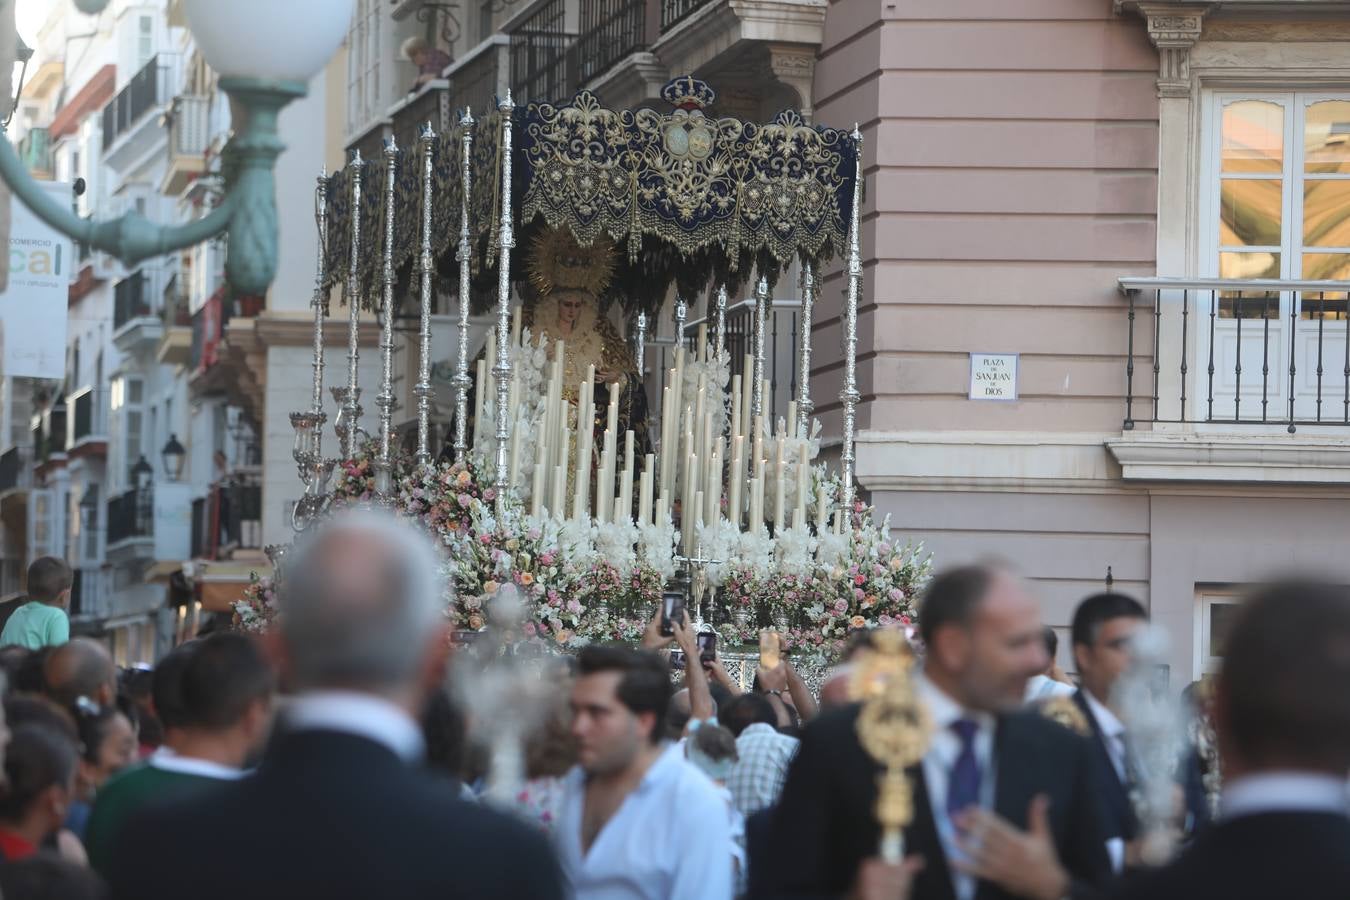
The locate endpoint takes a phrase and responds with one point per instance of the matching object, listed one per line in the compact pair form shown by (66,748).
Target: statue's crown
(688,92)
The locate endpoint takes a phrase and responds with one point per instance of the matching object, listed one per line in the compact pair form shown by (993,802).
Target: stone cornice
(1262,459)
(1174,29)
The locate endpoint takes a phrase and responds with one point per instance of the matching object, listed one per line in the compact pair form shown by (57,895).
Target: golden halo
(557,261)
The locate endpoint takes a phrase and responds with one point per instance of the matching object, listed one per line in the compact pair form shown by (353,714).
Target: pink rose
(858,579)
(841,606)
(530,629)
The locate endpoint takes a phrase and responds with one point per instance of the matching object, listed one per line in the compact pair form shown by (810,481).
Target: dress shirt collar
(363,715)
(943,708)
(166,760)
(1107,721)
(1284,792)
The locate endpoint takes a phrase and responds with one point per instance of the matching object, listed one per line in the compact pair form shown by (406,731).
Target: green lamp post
(265,53)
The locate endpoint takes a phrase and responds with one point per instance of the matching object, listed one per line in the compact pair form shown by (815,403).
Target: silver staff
(462,382)
(351,411)
(720,335)
(761,313)
(804,407)
(385,399)
(849,395)
(502,370)
(426,140)
(641,344)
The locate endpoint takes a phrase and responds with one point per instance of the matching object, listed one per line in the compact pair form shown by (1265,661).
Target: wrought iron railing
(610,30)
(540,61)
(228,518)
(86,418)
(131,299)
(131,515)
(142,94)
(673,11)
(49,433)
(431,106)
(1237,352)
(474,80)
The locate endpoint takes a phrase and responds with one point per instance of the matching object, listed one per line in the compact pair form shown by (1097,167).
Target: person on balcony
(430,61)
(42,621)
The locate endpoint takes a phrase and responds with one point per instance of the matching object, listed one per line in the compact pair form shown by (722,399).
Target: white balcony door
(1276,206)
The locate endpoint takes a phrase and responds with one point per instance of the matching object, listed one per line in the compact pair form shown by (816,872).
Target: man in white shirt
(637,820)
(1103,631)
(1052,682)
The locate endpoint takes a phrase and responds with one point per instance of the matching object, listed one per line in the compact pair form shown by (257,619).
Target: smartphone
(672,611)
(707,646)
(677,660)
(770,649)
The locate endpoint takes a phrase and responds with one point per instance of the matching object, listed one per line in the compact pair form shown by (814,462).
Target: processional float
(520,211)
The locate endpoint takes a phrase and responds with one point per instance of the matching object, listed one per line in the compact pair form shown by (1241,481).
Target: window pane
(1326,137)
(133,390)
(1249,265)
(1247,305)
(1326,266)
(1249,212)
(1253,137)
(1222,616)
(1326,213)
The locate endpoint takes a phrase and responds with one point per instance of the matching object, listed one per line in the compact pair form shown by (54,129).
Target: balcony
(431,103)
(542,66)
(610,31)
(135,322)
(89,598)
(189,137)
(130,124)
(227,519)
(150,523)
(482,75)
(1236,380)
(86,426)
(35,152)
(49,435)
(15,473)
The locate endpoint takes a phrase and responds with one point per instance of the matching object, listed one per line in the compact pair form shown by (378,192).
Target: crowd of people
(331,757)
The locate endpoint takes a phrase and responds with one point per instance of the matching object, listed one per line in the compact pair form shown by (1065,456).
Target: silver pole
(321,213)
(849,395)
(804,407)
(350,408)
(641,349)
(385,399)
(681,314)
(426,138)
(503,368)
(761,313)
(720,336)
(461,446)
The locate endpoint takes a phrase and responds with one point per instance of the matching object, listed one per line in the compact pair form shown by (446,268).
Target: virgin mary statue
(569,280)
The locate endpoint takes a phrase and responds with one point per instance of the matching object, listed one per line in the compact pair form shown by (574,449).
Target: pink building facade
(1023,156)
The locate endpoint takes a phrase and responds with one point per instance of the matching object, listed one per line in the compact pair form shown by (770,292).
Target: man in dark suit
(1282,713)
(1028,775)
(1103,631)
(338,808)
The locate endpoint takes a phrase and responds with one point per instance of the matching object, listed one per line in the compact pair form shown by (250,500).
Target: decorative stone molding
(1174,31)
(1265,459)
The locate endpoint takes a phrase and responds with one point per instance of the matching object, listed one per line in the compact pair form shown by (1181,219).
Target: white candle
(619,513)
(822,508)
(737,426)
(644,495)
(779,491)
(703,342)
(612,423)
(559,492)
(792,418)
(714,489)
(626,483)
(537,490)
(803,468)
(662,511)
(734,480)
(698,518)
(759,446)
(479,391)
(515,327)
(688,510)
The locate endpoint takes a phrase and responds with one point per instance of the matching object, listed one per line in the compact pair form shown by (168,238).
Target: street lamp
(265,53)
(174,456)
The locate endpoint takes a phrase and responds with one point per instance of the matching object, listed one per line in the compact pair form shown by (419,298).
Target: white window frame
(1206,662)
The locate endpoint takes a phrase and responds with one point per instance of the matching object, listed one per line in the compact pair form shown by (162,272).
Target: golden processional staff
(894,729)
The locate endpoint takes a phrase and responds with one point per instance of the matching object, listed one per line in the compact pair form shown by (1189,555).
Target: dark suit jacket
(825,824)
(1271,856)
(1118,813)
(336,816)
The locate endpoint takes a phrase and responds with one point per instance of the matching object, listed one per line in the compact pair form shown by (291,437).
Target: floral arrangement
(354,479)
(583,582)
(255,611)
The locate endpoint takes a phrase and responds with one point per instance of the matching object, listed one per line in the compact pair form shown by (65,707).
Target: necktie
(963,788)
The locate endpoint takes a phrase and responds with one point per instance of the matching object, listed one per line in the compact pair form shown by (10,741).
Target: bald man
(81,668)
